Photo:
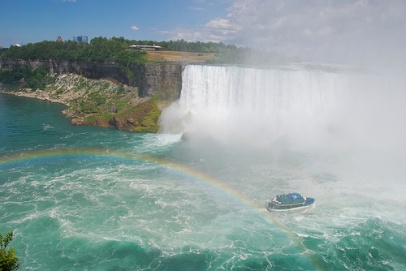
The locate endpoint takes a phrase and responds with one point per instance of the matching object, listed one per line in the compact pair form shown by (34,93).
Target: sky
(319,30)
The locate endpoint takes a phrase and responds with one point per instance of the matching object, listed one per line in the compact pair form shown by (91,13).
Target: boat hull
(274,206)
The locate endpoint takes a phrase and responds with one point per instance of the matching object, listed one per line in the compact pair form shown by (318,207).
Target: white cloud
(197,8)
(221,29)
(307,32)
(134,28)
(219,23)
(216,30)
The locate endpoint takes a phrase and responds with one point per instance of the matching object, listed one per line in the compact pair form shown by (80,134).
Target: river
(91,198)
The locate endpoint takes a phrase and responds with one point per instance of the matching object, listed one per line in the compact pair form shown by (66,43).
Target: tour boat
(287,202)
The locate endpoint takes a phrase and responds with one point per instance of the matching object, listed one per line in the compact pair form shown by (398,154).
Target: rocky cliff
(152,78)
(106,94)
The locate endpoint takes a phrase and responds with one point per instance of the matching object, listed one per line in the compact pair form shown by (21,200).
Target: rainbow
(41,156)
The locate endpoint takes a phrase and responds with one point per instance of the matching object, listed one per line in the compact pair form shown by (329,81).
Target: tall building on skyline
(80,38)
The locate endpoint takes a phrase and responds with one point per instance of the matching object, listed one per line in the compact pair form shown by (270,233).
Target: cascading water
(306,106)
(276,93)
(241,101)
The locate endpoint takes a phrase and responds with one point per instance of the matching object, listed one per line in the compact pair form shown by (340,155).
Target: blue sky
(313,29)
(24,21)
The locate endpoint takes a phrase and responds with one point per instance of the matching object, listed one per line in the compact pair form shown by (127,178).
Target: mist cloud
(317,29)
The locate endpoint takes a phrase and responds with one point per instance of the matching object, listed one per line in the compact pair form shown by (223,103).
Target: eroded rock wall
(162,77)
(150,79)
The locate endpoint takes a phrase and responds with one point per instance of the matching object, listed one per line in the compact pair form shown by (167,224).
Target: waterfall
(276,93)
(310,104)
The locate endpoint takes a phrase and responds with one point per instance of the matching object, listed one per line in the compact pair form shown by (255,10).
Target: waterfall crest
(276,93)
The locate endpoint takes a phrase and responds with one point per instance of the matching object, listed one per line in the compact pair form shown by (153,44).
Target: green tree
(8,258)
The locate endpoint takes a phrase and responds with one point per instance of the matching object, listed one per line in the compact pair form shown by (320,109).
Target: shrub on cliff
(142,118)
(25,77)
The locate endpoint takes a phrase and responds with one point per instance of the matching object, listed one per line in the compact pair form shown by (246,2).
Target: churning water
(88,198)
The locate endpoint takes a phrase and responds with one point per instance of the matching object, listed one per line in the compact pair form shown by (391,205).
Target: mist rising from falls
(303,107)
(237,103)
(346,123)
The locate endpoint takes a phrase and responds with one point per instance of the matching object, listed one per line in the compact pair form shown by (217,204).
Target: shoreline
(96,102)
(38,94)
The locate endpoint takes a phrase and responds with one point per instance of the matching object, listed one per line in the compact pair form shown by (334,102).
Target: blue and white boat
(287,202)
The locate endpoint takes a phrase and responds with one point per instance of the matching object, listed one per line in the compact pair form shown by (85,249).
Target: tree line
(98,50)
(116,50)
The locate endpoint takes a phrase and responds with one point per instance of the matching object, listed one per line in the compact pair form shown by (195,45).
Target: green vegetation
(26,78)
(142,118)
(106,103)
(98,50)
(8,258)
(94,98)
(2,50)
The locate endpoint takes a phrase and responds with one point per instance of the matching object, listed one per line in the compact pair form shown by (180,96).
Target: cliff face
(162,78)
(149,78)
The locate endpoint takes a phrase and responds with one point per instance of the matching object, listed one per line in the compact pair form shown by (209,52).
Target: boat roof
(293,194)
(290,198)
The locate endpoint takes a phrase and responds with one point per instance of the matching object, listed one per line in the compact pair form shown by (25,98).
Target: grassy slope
(179,57)
(99,103)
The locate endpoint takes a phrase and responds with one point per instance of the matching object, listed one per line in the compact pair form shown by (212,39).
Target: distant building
(80,38)
(146,47)
(59,39)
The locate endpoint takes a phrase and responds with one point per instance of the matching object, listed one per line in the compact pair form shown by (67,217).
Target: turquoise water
(89,198)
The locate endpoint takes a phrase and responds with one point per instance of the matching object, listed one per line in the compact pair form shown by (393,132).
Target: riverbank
(97,102)
(38,94)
